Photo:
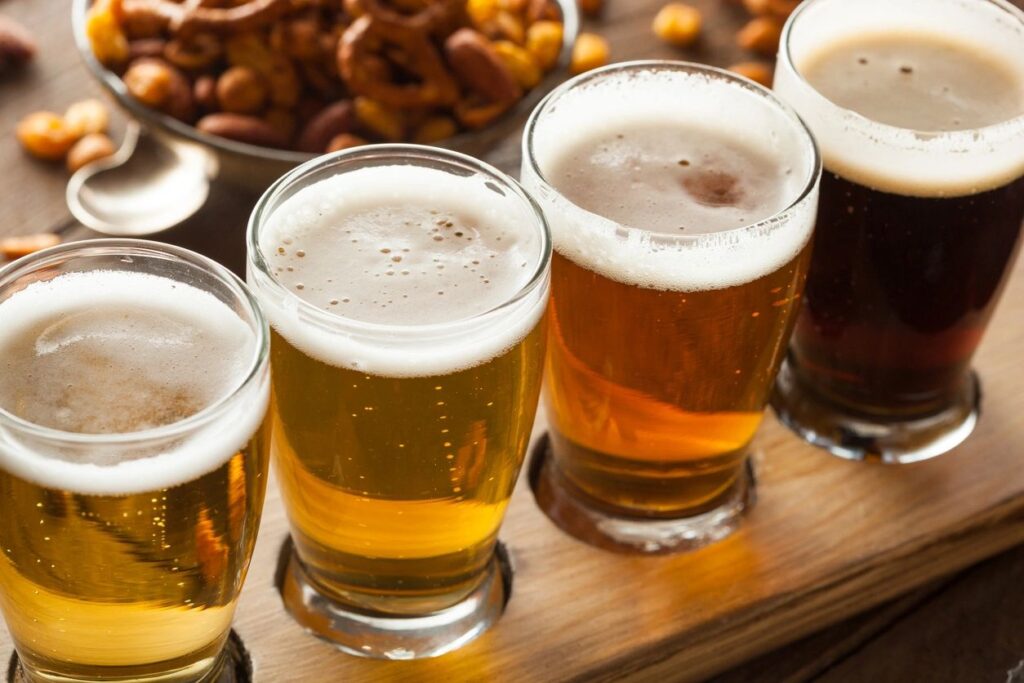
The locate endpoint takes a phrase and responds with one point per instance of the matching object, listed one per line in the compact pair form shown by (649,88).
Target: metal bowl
(255,168)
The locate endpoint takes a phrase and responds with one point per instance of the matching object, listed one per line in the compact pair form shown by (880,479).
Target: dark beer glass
(918,225)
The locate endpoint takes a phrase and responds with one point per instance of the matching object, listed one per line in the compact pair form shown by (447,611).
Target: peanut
(761,34)
(759,72)
(482,11)
(241,128)
(344,141)
(519,62)
(156,79)
(45,135)
(86,117)
(379,119)
(435,129)
(90,148)
(590,52)
(149,82)
(475,115)
(329,123)
(15,247)
(544,42)
(241,91)
(276,70)
(677,24)
(108,41)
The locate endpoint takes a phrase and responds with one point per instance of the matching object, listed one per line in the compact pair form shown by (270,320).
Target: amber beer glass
(681,200)
(133,382)
(918,107)
(406,289)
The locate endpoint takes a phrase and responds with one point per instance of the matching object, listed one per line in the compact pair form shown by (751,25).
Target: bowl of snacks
(260,86)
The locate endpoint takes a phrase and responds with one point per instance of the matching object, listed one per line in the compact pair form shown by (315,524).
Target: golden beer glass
(664,342)
(405,383)
(133,382)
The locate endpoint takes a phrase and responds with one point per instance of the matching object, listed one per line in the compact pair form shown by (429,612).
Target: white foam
(344,223)
(672,99)
(893,159)
(114,464)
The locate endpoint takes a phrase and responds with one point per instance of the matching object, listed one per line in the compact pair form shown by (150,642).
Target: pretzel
(420,15)
(366,36)
(193,16)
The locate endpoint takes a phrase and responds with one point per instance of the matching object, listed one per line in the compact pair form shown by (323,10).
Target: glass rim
(397,152)
(811,182)
(785,60)
(144,248)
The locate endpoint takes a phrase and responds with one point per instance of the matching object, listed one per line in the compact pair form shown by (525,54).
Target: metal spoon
(150,184)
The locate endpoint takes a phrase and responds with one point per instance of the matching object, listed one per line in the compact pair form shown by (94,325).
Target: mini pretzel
(366,36)
(426,15)
(193,16)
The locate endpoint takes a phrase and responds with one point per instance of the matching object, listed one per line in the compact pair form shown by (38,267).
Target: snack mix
(319,75)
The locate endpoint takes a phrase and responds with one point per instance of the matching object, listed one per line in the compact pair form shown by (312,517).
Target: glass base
(234,666)
(382,636)
(860,437)
(572,513)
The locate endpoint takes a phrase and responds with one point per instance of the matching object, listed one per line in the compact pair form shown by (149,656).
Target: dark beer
(922,205)
(899,293)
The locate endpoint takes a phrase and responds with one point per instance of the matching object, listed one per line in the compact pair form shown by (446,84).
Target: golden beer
(407,305)
(131,461)
(629,431)
(681,248)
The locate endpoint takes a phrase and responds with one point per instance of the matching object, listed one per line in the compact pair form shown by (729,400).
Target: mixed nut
(78,137)
(319,75)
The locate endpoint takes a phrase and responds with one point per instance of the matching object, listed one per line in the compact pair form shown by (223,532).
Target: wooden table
(964,628)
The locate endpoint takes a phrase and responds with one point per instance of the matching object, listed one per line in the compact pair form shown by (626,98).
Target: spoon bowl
(148,186)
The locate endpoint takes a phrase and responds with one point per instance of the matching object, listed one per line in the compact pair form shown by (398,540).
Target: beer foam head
(103,355)
(410,248)
(902,160)
(723,245)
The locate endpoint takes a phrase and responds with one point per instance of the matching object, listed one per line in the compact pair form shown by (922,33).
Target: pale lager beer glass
(406,291)
(133,383)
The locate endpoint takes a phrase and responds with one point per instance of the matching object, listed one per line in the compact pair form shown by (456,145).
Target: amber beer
(682,220)
(130,462)
(919,110)
(406,289)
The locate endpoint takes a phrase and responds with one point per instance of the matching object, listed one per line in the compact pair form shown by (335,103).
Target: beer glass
(681,200)
(918,108)
(133,383)
(406,290)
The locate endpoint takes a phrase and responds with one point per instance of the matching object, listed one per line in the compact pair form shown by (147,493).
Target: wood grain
(828,538)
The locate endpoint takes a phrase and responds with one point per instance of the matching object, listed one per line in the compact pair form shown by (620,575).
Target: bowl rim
(153,119)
